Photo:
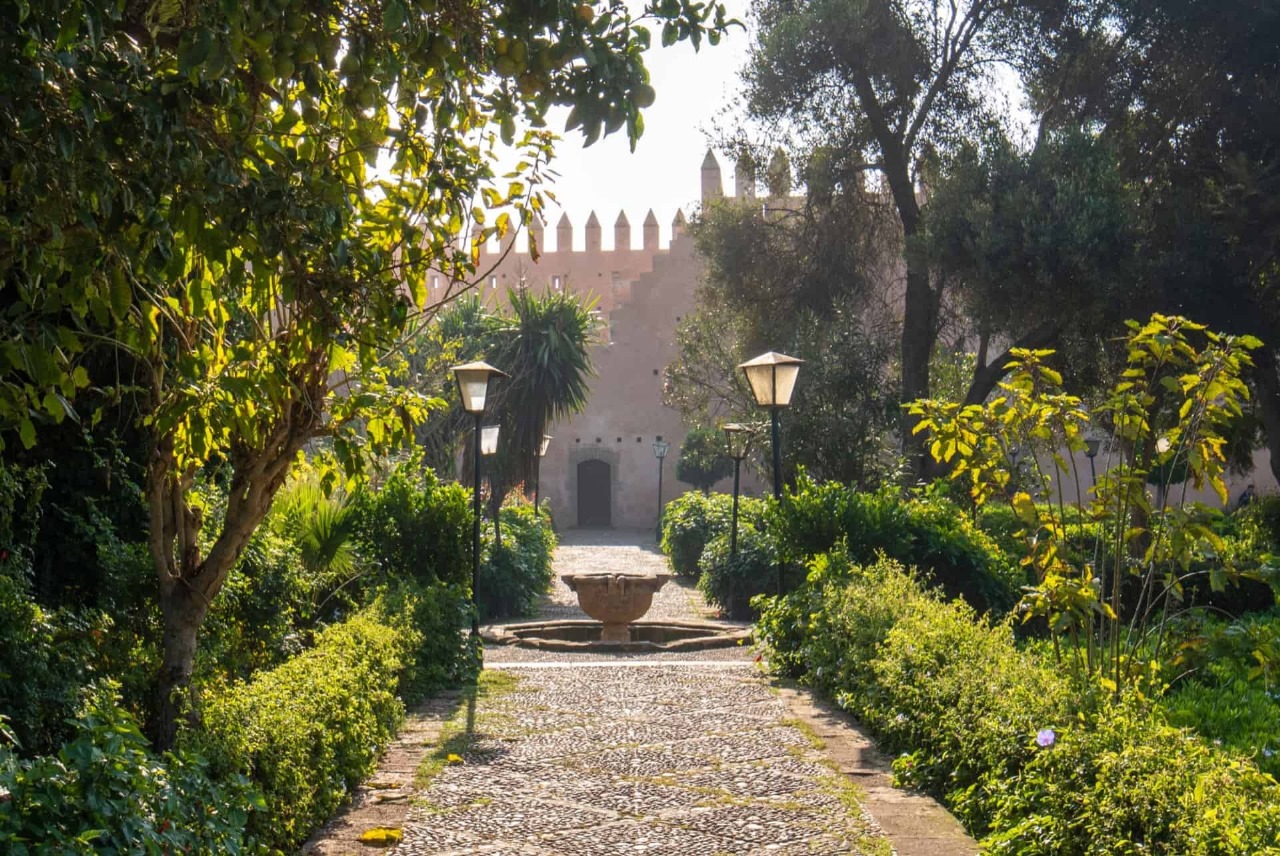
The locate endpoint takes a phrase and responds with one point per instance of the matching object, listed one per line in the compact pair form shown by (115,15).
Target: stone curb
(915,824)
(383,800)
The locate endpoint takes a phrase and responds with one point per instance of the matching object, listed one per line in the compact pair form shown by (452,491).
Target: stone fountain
(615,600)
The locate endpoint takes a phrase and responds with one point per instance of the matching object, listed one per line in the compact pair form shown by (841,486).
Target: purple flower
(1045,738)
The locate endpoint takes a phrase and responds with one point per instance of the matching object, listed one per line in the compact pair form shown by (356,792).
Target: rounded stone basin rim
(714,635)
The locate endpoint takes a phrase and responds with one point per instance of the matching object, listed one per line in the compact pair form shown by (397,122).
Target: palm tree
(545,346)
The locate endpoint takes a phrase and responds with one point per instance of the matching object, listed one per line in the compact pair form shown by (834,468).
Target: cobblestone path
(605,758)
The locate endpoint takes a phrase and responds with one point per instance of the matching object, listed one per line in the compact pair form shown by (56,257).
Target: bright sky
(664,172)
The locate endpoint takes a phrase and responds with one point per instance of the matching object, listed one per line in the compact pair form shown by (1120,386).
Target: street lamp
(739,438)
(772,378)
(488,448)
(473,389)
(537,470)
(660,448)
(1092,444)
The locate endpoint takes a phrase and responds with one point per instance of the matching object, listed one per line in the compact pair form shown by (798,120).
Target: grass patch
(806,730)
(461,731)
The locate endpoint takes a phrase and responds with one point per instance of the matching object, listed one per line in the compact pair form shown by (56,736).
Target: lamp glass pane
(739,438)
(474,388)
(489,439)
(786,382)
(546,441)
(660,449)
(761,380)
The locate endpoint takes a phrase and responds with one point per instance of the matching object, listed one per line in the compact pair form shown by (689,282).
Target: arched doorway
(595,509)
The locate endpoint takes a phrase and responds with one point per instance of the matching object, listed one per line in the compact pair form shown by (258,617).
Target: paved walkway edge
(915,824)
(382,802)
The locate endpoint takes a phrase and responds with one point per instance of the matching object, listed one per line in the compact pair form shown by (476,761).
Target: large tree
(882,87)
(247,198)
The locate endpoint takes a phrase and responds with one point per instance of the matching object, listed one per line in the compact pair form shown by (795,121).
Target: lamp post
(660,448)
(537,470)
(739,437)
(1092,444)
(473,389)
(772,378)
(489,448)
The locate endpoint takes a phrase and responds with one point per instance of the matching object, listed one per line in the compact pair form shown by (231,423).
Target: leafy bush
(1011,744)
(731,583)
(307,732)
(690,521)
(46,660)
(931,534)
(105,793)
(514,576)
(415,527)
(432,619)
(704,459)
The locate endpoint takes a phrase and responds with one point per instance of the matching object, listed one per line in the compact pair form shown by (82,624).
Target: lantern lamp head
(660,448)
(772,378)
(473,384)
(739,437)
(542,447)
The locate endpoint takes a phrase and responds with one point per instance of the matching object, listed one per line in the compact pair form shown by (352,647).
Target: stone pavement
(696,754)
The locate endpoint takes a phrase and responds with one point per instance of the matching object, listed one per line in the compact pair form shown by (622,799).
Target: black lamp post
(473,389)
(660,448)
(537,470)
(1092,444)
(739,438)
(772,378)
(489,448)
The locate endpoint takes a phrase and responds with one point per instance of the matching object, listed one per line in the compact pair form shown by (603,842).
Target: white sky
(664,172)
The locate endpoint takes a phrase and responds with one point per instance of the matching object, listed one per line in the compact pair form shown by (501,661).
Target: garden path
(695,754)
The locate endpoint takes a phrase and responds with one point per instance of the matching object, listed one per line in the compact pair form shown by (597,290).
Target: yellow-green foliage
(311,729)
(1021,754)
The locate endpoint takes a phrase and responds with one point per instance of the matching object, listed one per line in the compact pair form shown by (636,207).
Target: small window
(619,440)
(639,440)
(598,440)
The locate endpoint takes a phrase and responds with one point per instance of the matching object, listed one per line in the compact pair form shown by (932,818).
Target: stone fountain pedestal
(615,600)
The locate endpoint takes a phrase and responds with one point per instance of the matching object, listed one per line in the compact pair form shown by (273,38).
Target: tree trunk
(1265,378)
(183,611)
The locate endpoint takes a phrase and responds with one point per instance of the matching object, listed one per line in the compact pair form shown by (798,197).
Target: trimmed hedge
(691,520)
(1022,757)
(308,731)
(931,534)
(730,583)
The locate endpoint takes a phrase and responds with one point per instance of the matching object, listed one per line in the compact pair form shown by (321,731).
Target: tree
(704,459)
(193,183)
(881,87)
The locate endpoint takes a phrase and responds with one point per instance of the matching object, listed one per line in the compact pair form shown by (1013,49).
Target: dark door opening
(594,508)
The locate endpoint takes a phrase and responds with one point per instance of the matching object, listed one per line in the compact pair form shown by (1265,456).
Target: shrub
(307,732)
(414,527)
(931,534)
(690,521)
(514,576)
(1011,744)
(46,659)
(432,619)
(104,792)
(731,583)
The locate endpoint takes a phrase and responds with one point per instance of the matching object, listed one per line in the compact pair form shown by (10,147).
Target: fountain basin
(578,635)
(615,600)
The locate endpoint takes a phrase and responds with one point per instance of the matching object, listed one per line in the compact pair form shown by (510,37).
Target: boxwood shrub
(514,576)
(308,731)
(1028,762)
(690,521)
(931,534)
(730,583)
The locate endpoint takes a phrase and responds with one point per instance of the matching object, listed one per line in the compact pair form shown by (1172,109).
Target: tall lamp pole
(772,378)
(660,448)
(489,448)
(473,389)
(739,438)
(537,470)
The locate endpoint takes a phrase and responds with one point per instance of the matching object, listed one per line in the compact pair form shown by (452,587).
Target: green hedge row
(308,731)
(1004,738)
(691,521)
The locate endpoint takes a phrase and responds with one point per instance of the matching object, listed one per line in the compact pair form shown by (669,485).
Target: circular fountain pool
(569,635)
